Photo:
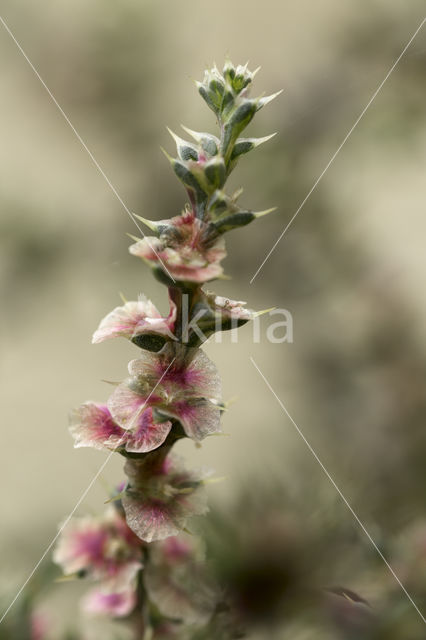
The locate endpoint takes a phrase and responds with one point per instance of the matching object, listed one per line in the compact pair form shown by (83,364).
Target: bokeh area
(350,270)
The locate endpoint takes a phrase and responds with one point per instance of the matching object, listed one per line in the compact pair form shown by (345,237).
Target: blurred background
(350,270)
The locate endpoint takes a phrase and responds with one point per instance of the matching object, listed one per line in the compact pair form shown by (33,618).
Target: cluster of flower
(104,549)
(173,389)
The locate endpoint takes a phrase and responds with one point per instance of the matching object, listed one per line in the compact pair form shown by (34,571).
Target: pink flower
(185,247)
(92,425)
(187,390)
(135,319)
(101,548)
(39,627)
(161,496)
(102,601)
(176,581)
(232,309)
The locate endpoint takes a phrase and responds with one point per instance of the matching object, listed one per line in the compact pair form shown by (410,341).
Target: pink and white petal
(161,497)
(174,550)
(80,545)
(39,626)
(124,575)
(123,320)
(198,417)
(193,272)
(126,405)
(91,425)
(233,308)
(182,593)
(148,248)
(155,325)
(149,366)
(194,503)
(147,434)
(152,518)
(203,377)
(104,602)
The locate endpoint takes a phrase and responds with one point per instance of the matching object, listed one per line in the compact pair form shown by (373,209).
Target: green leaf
(237,122)
(234,220)
(187,177)
(150,342)
(215,172)
(208,142)
(186,150)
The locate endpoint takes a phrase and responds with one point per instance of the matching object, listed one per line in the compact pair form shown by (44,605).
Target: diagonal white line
(83,144)
(339,491)
(78,503)
(317,181)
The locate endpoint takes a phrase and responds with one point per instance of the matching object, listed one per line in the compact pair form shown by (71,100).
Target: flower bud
(212,89)
(238,78)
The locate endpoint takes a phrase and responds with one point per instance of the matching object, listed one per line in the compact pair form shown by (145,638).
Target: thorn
(135,238)
(168,156)
(214,480)
(218,435)
(69,578)
(230,402)
(237,194)
(264,101)
(194,134)
(148,223)
(256,314)
(115,498)
(259,214)
(264,139)
(175,137)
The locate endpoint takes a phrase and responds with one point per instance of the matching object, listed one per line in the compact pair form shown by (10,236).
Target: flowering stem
(173,389)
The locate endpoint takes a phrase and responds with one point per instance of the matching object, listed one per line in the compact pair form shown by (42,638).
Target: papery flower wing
(147,434)
(181,590)
(149,367)
(182,262)
(152,518)
(193,269)
(126,406)
(198,417)
(198,378)
(91,425)
(233,308)
(203,378)
(101,547)
(123,574)
(117,604)
(81,546)
(147,248)
(161,498)
(122,321)
(158,325)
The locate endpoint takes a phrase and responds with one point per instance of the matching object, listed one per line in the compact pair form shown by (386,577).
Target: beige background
(353,263)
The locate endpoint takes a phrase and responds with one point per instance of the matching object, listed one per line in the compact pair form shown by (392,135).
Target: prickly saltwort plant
(173,391)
